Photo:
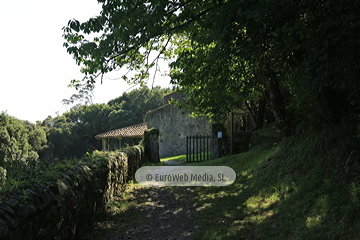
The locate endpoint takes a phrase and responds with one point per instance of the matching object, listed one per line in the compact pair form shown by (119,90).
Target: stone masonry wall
(174,125)
(63,207)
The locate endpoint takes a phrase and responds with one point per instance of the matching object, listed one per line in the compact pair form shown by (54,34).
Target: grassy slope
(293,191)
(306,188)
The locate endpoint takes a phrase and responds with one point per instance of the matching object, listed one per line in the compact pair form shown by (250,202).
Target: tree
(72,134)
(301,56)
(181,23)
(129,109)
(89,121)
(19,140)
(130,30)
(61,137)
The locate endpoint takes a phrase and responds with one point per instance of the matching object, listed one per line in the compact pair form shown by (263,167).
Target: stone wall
(174,125)
(63,207)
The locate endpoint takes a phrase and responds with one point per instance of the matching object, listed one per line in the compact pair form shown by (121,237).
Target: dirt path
(148,213)
(165,216)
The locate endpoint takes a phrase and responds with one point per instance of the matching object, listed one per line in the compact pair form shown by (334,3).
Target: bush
(2,176)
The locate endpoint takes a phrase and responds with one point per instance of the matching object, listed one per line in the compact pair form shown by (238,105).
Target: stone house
(174,125)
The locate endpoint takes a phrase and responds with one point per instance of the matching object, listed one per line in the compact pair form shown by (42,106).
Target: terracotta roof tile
(136,131)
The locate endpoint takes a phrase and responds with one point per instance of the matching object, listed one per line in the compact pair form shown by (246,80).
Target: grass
(225,211)
(122,204)
(179,158)
(182,158)
(302,188)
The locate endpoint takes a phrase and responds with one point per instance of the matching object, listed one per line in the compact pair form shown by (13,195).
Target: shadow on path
(151,213)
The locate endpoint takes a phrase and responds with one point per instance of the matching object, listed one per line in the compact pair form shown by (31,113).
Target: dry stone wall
(64,206)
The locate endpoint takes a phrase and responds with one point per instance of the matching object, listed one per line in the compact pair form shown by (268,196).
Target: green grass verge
(182,158)
(179,158)
(121,213)
(225,211)
(306,188)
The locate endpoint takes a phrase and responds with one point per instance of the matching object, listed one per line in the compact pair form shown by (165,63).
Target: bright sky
(35,67)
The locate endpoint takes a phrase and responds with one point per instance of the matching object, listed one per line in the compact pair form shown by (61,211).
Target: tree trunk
(276,99)
(261,112)
(252,114)
(257,113)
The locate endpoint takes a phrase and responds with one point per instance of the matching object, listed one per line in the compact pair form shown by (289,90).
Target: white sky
(35,68)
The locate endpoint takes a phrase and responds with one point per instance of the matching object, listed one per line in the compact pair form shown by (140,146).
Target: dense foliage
(72,134)
(20,145)
(19,140)
(301,57)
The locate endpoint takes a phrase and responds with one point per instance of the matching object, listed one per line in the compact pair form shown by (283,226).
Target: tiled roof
(136,131)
